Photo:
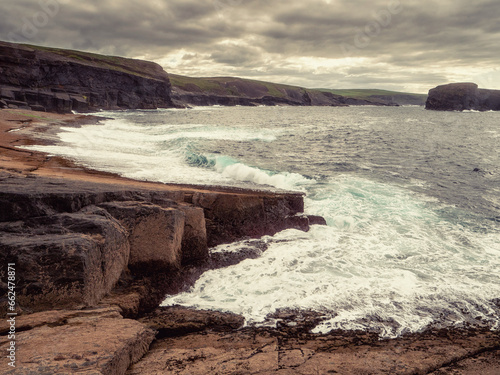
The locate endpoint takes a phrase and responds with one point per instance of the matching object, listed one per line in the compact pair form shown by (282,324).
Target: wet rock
(230,217)
(316,220)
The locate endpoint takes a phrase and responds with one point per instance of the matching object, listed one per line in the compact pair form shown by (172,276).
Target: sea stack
(462,96)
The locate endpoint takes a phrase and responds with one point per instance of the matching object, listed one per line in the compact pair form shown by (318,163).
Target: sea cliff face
(462,96)
(59,80)
(56,80)
(73,240)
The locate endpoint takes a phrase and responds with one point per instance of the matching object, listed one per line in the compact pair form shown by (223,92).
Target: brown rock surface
(194,241)
(98,341)
(177,320)
(230,217)
(64,260)
(264,351)
(155,233)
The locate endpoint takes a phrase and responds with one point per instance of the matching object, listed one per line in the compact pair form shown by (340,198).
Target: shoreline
(25,127)
(193,341)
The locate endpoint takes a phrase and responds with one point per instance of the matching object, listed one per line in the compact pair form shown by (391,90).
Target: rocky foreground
(94,255)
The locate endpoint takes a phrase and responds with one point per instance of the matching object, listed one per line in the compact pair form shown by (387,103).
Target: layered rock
(155,233)
(65,260)
(229,91)
(462,96)
(291,351)
(73,241)
(50,79)
(95,341)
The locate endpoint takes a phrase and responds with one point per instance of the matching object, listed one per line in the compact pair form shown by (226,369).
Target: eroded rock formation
(462,96)
(56,80)
(73,240)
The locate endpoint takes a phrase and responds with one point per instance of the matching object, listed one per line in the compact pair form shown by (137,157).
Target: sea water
(411,198)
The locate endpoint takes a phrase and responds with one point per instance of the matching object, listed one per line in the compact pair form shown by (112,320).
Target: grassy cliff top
(145,69)
(254,88)
(367,93)
(232,86)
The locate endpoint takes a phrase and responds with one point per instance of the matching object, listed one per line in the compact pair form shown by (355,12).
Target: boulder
(234,216)
(155,234)
(177,320)
(64,260)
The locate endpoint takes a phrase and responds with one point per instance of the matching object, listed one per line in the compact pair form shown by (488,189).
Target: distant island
(60,80)
(462,96)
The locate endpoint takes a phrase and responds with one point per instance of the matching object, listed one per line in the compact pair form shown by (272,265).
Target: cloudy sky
(404,45)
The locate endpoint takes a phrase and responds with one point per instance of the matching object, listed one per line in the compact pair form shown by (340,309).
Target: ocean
(411,198)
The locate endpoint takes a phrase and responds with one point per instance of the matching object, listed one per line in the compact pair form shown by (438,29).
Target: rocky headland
(230,91)
(461,97)
(58,80)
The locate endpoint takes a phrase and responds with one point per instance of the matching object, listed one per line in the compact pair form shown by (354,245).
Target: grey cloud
(418,34)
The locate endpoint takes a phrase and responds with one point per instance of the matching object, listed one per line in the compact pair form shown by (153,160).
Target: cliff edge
(57,80)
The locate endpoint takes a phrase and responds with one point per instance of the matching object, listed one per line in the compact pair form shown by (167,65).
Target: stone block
(83,342)
(155,234)
(66,260)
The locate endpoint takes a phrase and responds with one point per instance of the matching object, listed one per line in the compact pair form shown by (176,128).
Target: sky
(402,45)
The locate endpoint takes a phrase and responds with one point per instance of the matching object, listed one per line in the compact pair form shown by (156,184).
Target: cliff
(381,97)
(72,240)
(240,91)
(462,96)
(57,80)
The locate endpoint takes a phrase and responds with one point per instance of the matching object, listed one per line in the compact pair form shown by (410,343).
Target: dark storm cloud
(419,41)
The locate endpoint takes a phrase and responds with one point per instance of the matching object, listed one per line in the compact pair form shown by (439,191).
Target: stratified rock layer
(72,241)
(50,79)
(267,351)
(97,341)
(462,96)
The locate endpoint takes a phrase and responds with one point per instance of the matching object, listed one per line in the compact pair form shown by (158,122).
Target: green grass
(216,84)
(204,84)
(121,64)
(365,93)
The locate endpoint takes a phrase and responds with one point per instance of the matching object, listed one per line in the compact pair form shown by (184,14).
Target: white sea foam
(242,172)
(140,152)
(389,260)
(386,262)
